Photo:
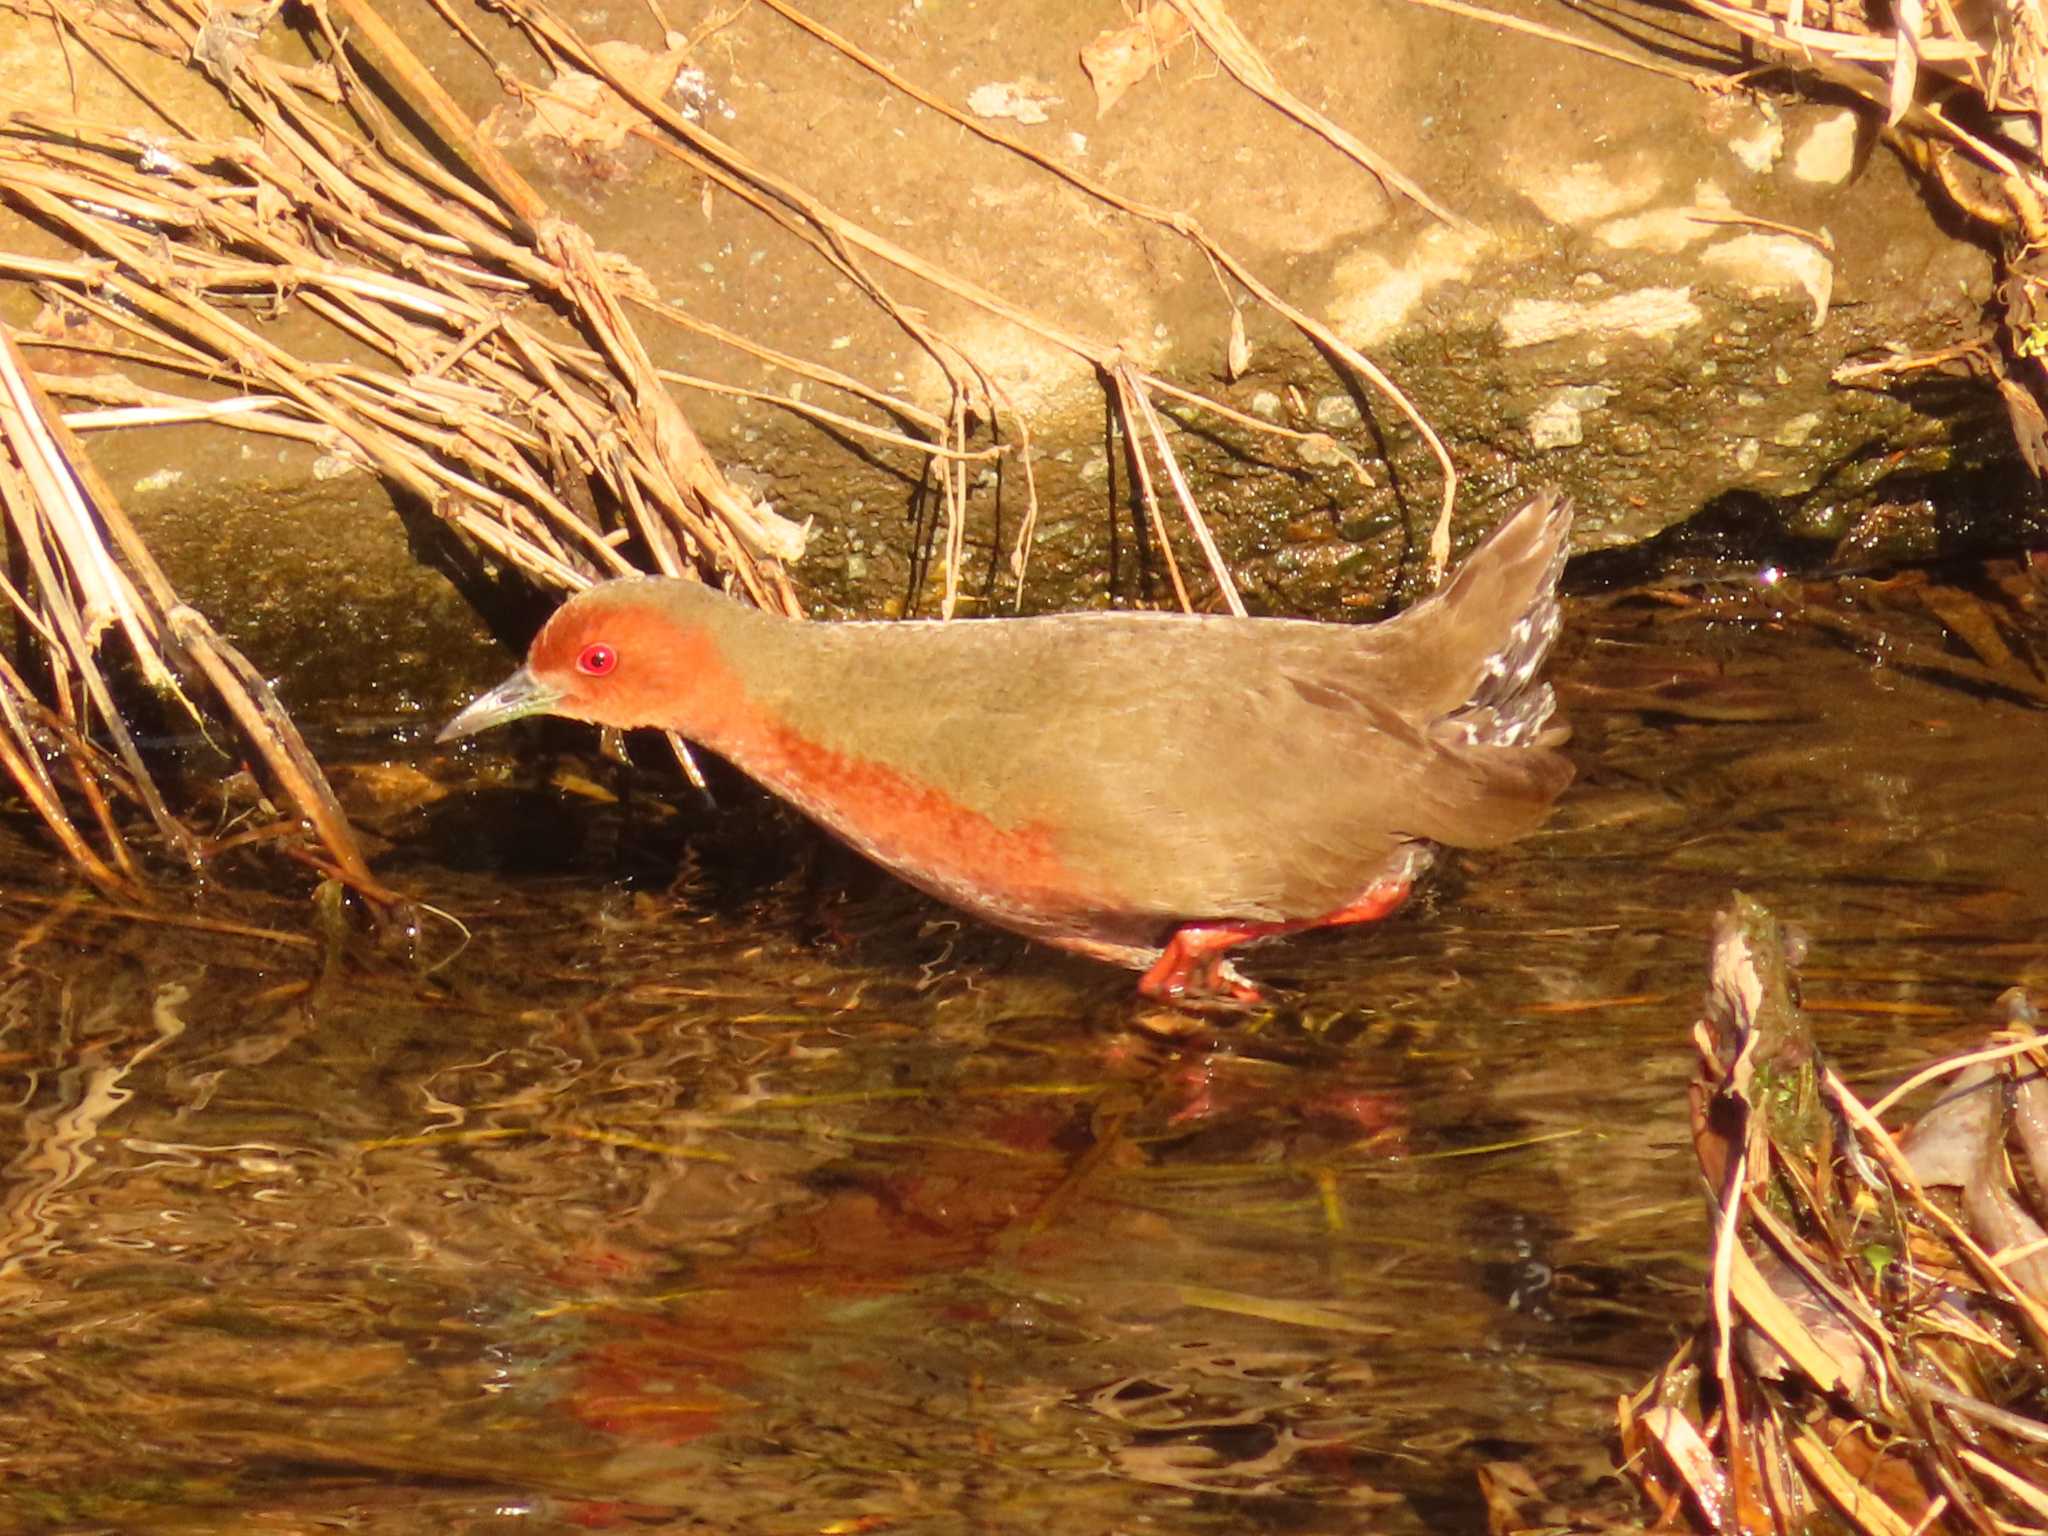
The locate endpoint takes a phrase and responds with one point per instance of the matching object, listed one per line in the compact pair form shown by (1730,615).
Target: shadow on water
(695,1193)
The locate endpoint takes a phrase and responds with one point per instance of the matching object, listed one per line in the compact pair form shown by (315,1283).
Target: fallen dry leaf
(1121,57)
(583,113)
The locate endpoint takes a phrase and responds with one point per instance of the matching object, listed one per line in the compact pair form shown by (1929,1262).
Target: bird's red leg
(1192,965)
(1375,904)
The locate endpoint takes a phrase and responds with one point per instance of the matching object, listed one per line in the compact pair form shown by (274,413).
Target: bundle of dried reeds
(82,573)
(1879,1304)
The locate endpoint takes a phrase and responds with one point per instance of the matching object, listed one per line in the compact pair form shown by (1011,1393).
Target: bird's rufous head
(619,654)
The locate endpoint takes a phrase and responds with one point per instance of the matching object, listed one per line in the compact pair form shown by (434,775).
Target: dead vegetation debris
(1878,1301)
(1963,92)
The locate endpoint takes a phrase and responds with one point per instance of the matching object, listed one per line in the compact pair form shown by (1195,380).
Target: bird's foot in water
(1193,970)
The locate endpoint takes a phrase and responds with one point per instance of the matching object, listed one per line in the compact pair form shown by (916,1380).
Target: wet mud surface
(717,1184)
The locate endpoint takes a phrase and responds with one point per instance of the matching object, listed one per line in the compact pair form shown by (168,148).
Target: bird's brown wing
(1271,802)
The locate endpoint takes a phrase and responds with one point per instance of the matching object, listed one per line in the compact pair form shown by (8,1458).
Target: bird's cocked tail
(1514,572)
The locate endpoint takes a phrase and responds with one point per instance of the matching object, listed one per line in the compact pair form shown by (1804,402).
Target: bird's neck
(725,677)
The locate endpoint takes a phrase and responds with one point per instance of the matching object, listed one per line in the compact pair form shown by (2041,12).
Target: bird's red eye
(596,660)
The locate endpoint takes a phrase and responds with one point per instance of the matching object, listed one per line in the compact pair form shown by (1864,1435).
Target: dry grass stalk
(1141,473)
(1131,391)
(176,214)
(1220,31)
(1873,1339)
(1507,23)
(426,279)
(1108,360)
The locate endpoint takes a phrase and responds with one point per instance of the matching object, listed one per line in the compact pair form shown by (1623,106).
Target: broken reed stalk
(1870,1350)
(1141,475)
(394,225)
(1131,391)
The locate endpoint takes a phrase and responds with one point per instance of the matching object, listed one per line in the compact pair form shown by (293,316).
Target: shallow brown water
(728,1201)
